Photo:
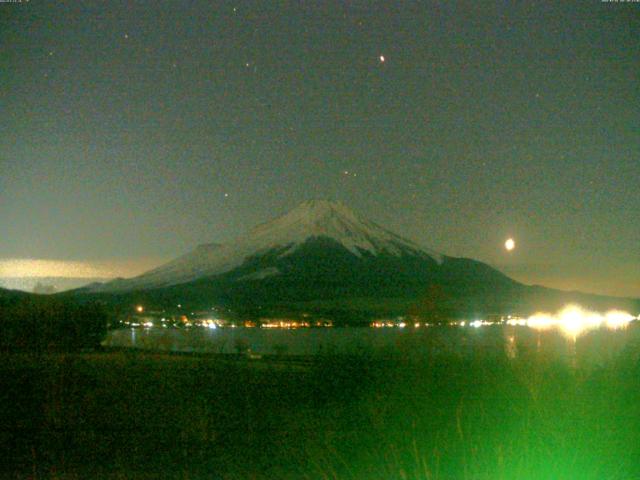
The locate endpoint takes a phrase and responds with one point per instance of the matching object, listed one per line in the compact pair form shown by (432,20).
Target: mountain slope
(285,235)
(324,258)
(7,297)
(6,293)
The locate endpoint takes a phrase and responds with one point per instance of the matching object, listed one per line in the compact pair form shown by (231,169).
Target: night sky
(133,131)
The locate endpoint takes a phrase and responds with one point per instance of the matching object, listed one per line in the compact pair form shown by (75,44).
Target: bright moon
(510,244)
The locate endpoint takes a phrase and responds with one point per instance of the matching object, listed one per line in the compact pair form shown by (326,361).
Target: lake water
(594,347)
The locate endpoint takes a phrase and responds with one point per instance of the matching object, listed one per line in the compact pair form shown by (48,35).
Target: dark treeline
(43,323)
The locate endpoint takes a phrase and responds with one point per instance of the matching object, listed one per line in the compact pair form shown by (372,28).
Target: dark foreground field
(133,415)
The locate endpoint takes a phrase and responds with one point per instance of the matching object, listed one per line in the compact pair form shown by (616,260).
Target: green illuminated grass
(370,416)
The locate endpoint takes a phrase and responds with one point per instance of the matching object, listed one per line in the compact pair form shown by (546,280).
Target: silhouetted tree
(431,305)
(40,324)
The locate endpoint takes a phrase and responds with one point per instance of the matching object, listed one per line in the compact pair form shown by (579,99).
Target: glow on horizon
(40,268)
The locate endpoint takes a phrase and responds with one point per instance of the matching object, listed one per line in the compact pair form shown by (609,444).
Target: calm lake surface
(593,347)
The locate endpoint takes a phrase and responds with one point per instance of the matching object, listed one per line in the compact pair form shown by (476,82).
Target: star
(381,57)
(126,35)
(226,195)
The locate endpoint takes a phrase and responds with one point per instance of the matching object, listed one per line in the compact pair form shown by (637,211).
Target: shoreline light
(573,320)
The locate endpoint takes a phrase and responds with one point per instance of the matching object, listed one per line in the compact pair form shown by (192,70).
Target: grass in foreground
(382,416)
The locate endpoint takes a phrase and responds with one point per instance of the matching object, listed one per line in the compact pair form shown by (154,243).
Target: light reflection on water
(594,346)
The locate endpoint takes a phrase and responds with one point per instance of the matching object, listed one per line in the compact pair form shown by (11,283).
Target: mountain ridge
(323,256)
(311,219)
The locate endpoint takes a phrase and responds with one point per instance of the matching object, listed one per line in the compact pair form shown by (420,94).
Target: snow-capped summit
(315,219)
(323,218)
(323,259)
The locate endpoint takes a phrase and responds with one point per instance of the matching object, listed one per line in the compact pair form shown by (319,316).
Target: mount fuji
(323,257)
(313,222)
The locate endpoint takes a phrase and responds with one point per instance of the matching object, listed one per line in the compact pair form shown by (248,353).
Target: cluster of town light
(285,324)
(574,320)
(571,320)
(148,321)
